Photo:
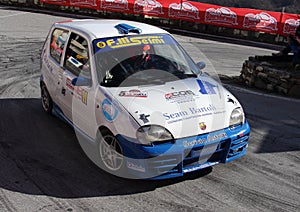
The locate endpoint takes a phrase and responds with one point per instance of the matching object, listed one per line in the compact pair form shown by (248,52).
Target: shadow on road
(274,121)
(40,155)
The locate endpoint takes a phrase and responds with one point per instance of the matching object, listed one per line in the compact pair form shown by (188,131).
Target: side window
(77,56)
(58,39)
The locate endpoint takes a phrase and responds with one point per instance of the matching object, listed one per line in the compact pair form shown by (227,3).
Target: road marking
(262,94)
(7,16)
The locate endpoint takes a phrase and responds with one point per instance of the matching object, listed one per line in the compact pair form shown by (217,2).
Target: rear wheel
(110,153)
(47,102)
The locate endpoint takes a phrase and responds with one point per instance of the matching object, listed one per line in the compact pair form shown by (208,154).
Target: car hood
(185,107)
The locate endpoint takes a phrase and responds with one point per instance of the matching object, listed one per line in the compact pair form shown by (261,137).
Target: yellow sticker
(84,97)
(101,44)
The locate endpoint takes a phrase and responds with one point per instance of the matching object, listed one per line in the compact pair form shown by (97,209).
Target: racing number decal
(84,97)
(206,87)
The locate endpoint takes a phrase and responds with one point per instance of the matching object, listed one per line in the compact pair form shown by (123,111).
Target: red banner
(57,2)
(290,22)
(239,18)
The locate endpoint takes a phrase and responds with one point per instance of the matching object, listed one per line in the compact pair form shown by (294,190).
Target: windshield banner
(106,44)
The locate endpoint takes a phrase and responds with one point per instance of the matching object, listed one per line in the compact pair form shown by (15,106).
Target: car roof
(100,28)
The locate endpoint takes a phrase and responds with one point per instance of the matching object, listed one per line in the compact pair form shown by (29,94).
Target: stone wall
(271,73)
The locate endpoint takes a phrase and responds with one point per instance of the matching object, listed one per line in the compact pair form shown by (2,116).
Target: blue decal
(109,110)
(206,87)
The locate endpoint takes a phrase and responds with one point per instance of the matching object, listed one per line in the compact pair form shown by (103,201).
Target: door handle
(63,91)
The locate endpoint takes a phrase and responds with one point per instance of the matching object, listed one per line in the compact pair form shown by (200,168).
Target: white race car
(141,108)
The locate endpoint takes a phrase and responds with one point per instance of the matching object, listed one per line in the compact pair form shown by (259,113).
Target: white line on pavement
(7,16)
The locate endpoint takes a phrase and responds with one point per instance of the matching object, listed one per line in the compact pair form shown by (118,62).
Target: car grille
(215,152)
(238,147)
(166,164)
(219,152)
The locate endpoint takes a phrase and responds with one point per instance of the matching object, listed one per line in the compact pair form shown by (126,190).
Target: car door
(76,90)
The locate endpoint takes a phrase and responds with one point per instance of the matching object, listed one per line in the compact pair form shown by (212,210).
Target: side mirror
(81,81)
(201,65)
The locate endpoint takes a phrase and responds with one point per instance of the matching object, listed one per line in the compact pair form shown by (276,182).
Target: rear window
(58,40)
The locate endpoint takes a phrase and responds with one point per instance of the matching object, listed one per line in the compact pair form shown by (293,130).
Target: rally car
(140,106)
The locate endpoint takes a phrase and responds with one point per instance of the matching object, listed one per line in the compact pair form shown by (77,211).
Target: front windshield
(141,60)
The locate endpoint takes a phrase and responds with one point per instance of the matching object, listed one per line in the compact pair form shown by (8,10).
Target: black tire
(47,102)
(110,153)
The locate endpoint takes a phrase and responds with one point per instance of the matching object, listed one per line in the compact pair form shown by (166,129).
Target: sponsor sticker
(109,110)
(202,126)
(106,44)
(231,101)
(133,93)
(215,137)
(194,142)
(84,97)
(78,91)
(144,118)
(180,96)
(199,140)
(69,84)
(191,113)
(206,88)
(135,167)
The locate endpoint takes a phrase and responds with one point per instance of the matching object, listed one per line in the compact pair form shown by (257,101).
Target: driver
(143,61)
(146,52)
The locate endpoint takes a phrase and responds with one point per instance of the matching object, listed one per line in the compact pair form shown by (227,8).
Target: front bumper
(173,159)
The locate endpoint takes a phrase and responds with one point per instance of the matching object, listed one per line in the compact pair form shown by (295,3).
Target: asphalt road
(42,167)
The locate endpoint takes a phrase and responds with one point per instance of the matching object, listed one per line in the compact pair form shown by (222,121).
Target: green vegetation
(291,6)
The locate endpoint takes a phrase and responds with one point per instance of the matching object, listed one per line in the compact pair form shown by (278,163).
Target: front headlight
(237,117)
(153,133)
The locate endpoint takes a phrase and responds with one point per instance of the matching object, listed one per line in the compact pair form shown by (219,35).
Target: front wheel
(110,152)
(47,102)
